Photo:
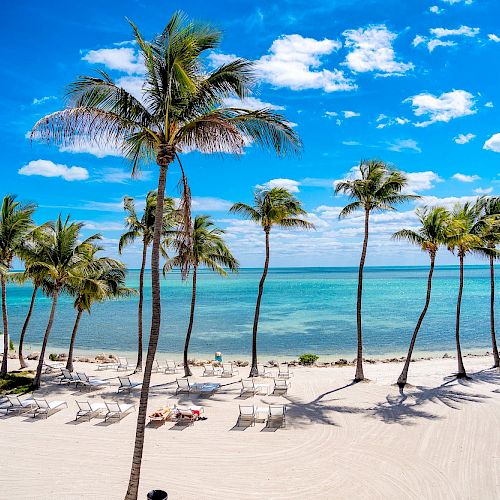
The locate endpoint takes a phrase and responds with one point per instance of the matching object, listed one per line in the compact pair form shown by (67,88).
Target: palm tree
(143,228)
(490,213)
(100,279)
(205,247)
(15,225)
(429,236)
(378,188)
(62,256)
(182,108)
(271,207)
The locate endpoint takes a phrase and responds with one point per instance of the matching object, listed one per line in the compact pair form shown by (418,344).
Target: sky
(412,83)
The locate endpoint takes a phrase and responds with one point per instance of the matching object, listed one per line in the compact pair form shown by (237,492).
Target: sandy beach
(437,439)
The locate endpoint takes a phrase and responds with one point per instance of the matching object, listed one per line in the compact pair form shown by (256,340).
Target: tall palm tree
(182,108)
(271,207)
(100,279)
(378,188)
(205,247)
(15,225)
(429,236)
(143,228)
(62,256)
(490,213)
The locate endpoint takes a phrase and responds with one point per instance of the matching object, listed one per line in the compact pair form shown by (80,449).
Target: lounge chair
(171,367)
(161,415)
(189,415)
(67,377)
(247,415)
(281,386)
(228,370)
(123,364)
(284,371)
(263,371)
(157,368)
(276,416)
(107,366)
(44,407)
(91,383)
(117,410)
(87,409)
(18,405)
(50,367)
(249,386)
(209,371)
(126,385)
(184,386)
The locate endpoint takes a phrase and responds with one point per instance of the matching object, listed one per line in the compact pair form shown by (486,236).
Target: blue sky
(413,83)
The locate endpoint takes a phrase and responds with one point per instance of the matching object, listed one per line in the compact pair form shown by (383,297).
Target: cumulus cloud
(493,37)
(453,2)
(482,191)
(493,143)
(461,31)
(101,149)
(219,59)
(400,145)
(421,181)
(435,9)
(443,108)
(120,176)
(210,204)
(447,202)
(350,114)
(489,104)
(47,168)
(41,100)
(289,184)
(123,59)
(250,103)
(331,114)
(437,35)
(385,121)
(465,178)
(463,138)
(370,49)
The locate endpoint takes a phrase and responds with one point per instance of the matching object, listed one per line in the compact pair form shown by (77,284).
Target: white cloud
(317,182)
(481,191)
(295,62)
(493,37)
(371,50)
(443,108)
(435,9)
(465,178)
(100,150)
(44,99)
(217,59)
(351,143)
(437,34)
(133,85)
(493,143)
(421,181)
(350,114)
(331,114)
(289,184)
(384,121)
(250,103)
(453,2)
(463,138)
(47,168)
(447,202)
(103,225)
(489,104)
(120,176)
(400,145)
(210,204)
(124,59)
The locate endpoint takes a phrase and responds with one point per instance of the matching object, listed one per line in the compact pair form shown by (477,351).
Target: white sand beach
(437,440)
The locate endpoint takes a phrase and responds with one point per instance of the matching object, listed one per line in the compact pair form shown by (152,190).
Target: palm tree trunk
(5,319)
(69,363)
(187,370)
(461,369)
(254,372)
(138,367)
(165,157)
(25,327)
(404,374)
(359,376)
(38,376)
(492,314)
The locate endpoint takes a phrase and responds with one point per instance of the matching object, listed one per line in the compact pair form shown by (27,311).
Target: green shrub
(11,345)
(308,359)
(53,357)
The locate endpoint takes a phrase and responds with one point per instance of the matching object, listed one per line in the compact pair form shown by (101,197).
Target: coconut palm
(61,258)
(15,225)
(99,279)
(142,228)
(429,236)
(271,207)
(378,188)
(205,247)
(181,108)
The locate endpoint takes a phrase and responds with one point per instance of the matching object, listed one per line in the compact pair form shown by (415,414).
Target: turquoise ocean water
(304,310)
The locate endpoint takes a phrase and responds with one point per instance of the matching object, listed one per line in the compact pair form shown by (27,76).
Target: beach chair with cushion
(276,416)
(67,377)
(15,404)
(123,364)
(161,415)
(171,367)
(117,410)
(281,386)
(90,383)
(89,410)
(126,385)
(249,386)
(284,371)
(51,367)
(187,415)
(247,415)
(228,370)
(263,371)
(44,407)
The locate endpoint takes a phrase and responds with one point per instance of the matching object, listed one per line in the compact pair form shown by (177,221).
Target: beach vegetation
(17,382)
(308,359)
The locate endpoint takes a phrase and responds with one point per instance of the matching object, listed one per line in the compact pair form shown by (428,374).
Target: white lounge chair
(126,385)
(107,366)
(263,371)
(157,367)
(87,409)
(90,383)
(171,367)
(228,370)
(281,385)
(187,415)
(209,371)
(184,386)
(44,407)
(51,367)
(123,364)
(15,404)
(276,416)
(67,377)
(247,415)
(249,386)
(284,371)
(117,410)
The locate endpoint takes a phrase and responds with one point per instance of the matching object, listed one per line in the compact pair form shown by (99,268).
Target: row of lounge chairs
(39,406)
(84,381)
(275,415)
(248,386)
(227,370)
(124,365)
(110,410)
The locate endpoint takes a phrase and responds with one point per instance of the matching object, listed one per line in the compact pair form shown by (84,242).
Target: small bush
(53,357)
(308,359)
(11,345)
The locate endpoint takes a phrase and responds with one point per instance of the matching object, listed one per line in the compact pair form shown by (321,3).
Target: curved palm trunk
(404,374)
(461,369)
(359,376)
(138,367)
(187,370)
(167,157)
(38,376)
(25,327)
(254,372)
(492,314)
(5,319)
(69,363)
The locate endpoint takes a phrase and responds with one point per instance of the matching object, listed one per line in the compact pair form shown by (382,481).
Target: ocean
(303,310)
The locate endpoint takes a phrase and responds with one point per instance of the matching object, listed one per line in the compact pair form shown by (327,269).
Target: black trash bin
(157,495)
